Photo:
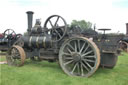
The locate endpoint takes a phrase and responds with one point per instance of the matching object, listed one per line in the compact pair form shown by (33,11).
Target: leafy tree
(82,24)
(25,33)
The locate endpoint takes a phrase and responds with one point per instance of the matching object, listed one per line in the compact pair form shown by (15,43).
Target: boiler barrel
(37,41)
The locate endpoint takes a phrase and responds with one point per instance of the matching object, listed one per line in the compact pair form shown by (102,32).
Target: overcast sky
(104,13)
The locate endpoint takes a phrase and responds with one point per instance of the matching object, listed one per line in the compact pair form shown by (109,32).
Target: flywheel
(57,26)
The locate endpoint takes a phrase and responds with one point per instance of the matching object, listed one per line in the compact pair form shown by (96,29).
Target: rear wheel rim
(79,57)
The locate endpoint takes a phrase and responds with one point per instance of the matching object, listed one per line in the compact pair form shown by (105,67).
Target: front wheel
(16,56)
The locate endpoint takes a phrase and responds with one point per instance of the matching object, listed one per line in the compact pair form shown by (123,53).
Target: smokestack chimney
(30,18)
(127,29)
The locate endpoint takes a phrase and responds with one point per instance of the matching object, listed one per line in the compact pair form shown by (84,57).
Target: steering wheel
(9,33)
(57,27)
(104,29)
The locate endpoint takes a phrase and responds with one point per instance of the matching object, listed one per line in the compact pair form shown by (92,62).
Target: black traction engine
(79,54)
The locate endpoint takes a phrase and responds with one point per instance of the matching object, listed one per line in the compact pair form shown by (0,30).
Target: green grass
(45,73)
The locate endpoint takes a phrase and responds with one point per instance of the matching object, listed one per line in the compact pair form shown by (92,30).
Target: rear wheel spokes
(69,58)
(90,56)
(86,48)
(87,53)
(66,54)
(78,69)
(70,46)
(78,57)
(88,64)
(68,62)
(89,60)
(74,67)
(69,50)
(79,47)
(82,71)
(84,66)
(83,46)
(75,46)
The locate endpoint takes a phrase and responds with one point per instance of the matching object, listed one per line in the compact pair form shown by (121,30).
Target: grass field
(45,73)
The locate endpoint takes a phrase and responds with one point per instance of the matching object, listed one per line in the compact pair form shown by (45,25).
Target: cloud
(102,12)
(121,3)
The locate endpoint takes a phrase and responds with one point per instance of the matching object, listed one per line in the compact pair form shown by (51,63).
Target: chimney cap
(30,12)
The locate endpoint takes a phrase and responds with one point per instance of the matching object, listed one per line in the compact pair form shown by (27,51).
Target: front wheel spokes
(17,61)
(16,56)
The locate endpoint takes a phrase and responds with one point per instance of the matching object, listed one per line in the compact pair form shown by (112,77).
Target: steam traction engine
(7,39)
(77,54)
(124,41)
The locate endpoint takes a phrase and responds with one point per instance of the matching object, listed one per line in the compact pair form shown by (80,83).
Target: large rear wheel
(79,57)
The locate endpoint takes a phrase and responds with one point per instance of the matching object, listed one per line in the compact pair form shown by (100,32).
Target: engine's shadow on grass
(55,66)
(42,64)
(104,71)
